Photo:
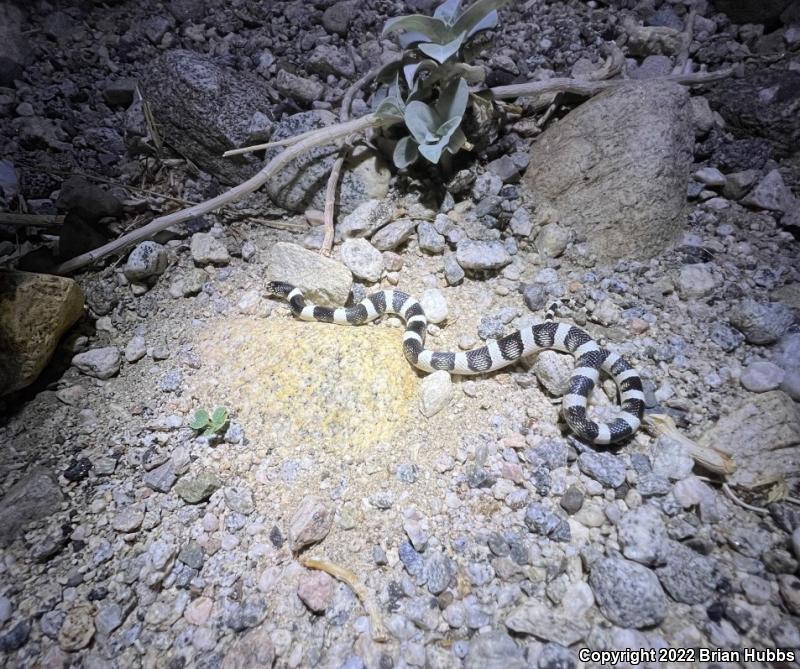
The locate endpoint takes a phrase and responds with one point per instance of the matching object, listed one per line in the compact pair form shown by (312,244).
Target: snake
(590,358)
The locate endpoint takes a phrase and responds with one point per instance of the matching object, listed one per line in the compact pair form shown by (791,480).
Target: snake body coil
(589,357)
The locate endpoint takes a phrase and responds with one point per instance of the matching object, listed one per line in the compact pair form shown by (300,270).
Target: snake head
(279,288)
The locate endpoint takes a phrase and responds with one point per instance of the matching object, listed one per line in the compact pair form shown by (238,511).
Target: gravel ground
(478,532)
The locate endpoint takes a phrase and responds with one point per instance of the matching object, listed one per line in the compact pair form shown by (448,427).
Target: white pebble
(435,393)
(434,305)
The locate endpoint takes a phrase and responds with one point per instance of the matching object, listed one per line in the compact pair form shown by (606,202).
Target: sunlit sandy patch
(289,382)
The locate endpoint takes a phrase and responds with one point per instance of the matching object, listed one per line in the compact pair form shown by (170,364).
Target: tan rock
(35,311)
(614,170)
(762,435)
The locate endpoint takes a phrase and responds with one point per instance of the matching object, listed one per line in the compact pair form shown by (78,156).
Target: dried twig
(589,88)
(268,145)
(333,178)
(741,502)
(347,576)
(615,61)
(32,220)
(318,138)
(682,61)
(280,225)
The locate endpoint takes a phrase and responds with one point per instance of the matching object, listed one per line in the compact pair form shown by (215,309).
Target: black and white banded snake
(590,358)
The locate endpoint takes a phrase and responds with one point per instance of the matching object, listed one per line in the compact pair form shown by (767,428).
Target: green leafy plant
(210,424)
(427,89)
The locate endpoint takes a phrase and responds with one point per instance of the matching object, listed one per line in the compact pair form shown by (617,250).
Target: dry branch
(32,220)
(347,576)
(318,138)
(589,88)
(329,213)
(268,145)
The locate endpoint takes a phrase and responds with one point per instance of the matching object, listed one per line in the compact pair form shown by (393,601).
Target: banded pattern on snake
(589,357)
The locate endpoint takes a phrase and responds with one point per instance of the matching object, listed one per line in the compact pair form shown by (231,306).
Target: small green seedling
(210,425)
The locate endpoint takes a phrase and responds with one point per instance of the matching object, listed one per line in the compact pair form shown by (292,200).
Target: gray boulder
(203,110)
(300,185)
(615,170)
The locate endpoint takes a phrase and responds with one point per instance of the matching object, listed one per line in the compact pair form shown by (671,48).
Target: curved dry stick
(318,138)
(347,576)
(682,61)
(269,145)
(336,170)
(615,62)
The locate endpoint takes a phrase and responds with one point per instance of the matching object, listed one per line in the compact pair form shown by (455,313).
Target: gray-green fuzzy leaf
(405,152)
(219,417)
(452,99)
(475,14)
(390,109)
(432,152)
(421,121)
(433,28)
(441,52)
(448,11)
(200,419)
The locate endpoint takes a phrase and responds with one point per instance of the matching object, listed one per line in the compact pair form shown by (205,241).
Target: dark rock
(763,103)
(36,495)
(78,470)
(15,50)
(628,594)
(87,199)
(603,467)
(192,555)
(187,10)
(337,17)
(746,11)
(544,522)
(16,638)
(688,576)
(572,500)
(205,110)
(119,93)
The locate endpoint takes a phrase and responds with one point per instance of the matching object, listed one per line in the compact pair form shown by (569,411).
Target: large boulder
(763,103)
(35,310)
(203,110)
(301,184)
(615,170)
